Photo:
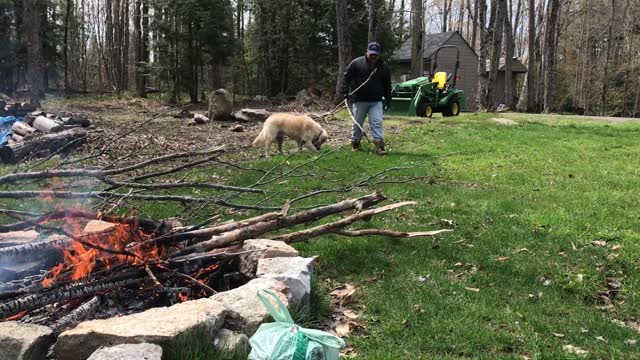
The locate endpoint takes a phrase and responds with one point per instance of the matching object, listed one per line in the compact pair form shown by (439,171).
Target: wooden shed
(517,69)
(400,62)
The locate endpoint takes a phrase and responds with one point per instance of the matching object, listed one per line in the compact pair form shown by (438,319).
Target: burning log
(82,312)
(46,125)
(35,301)
(53,243)
(44,145)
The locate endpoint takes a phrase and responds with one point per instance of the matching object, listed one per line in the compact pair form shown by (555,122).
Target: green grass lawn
(558,197)
(539,193)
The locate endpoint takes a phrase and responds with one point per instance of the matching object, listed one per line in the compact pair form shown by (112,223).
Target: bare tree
(605,72)
(484,54)
(496,24)
(66,44)
(34,49)
(509,87)
(344,42)
(374,19)
(417,33)
(531,91)
(550,55)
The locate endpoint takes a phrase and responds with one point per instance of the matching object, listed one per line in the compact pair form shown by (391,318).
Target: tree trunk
(66,45)
(137,36)
(605,72)
(484,54)
(417,55)
(496,24)
(531,91)
(509,88)
(550,56)
(344,42)
(31,19)
(374,20)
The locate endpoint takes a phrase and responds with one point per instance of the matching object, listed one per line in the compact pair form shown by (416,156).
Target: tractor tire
(453,107)
(425,109)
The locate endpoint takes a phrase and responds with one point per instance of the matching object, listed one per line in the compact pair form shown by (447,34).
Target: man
(365,82)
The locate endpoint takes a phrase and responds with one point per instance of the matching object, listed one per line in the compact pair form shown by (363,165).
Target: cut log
(21,128)
(46,125)
(17,138)
(252,115)
(200,119)
(38,146)
(77,120)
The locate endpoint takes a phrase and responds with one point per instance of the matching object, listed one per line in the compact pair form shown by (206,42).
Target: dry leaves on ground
(574,350)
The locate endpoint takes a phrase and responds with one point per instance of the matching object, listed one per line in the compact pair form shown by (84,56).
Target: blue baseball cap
(374,48)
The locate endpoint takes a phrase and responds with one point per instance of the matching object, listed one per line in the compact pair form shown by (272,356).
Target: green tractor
(424,96)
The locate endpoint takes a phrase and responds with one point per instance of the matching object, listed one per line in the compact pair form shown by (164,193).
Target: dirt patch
(504,121)
(147,128)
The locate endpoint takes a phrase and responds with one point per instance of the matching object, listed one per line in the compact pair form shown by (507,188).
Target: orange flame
(182,297)
(80,260)
(17,316)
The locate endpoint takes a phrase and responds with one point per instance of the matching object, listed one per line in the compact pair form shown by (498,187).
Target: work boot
(379,145)
(355,145)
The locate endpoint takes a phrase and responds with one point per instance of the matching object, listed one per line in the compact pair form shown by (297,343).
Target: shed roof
(431,43)
(516,66)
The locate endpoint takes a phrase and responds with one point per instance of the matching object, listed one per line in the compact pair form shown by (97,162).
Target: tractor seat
(440,79)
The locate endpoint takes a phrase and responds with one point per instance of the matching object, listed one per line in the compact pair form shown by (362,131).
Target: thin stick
(153,277)
(390,233)
(194,281)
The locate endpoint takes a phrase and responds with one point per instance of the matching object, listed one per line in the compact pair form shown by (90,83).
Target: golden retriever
(301,128)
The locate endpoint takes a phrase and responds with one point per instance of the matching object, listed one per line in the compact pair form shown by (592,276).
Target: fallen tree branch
(145,224)
(180,185)
(309,233)
(9,178)
(389,233)
(302,217)
(207,233)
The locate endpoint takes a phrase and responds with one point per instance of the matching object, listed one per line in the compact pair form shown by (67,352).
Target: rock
(201,119)
(144,351)
(314,91)
(304,98)
(504,121)
(158,326)
(262,249)
(260,99)
(252,115)
(281,98)
(98,226)
(183,114)
(295,272)
(231,342)
(13,238)
(238,128)
(220,106)
(245,311)
(20,341)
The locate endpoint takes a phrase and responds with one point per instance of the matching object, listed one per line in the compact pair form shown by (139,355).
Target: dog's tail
(262,137)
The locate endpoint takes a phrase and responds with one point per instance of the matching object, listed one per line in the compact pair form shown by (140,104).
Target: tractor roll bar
(435,61)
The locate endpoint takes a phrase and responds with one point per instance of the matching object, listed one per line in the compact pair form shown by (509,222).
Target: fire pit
(83,280)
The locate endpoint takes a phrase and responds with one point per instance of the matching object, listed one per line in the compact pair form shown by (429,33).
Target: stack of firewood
(42,134)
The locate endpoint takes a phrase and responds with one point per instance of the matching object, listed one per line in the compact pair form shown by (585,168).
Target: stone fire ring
(233,315)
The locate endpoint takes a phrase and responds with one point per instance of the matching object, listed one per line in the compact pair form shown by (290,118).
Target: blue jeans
(360,111)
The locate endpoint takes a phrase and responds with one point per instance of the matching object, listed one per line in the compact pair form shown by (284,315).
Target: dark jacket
(358,72)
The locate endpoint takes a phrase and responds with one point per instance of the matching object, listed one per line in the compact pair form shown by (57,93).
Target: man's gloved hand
(386,104)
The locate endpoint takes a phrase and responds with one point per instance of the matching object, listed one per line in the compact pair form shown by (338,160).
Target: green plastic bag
(284,340)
